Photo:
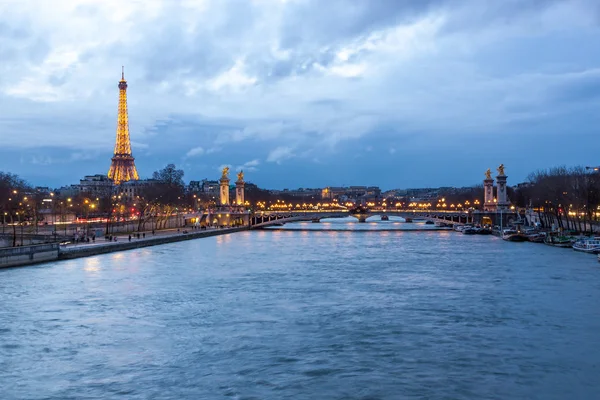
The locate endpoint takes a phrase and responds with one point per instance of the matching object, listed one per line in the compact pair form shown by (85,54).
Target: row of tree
(567,197)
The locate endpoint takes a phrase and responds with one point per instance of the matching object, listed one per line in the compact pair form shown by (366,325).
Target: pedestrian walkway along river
(306,315)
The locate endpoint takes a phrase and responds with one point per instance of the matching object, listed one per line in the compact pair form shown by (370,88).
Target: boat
(555,240)
(587,245)
(429,222)
(460,228)
(513,235)
(385,218)
(469,230)
(484,231)
(537,237)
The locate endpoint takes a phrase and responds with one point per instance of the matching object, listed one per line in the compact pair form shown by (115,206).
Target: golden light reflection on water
(92,264)
(223,239)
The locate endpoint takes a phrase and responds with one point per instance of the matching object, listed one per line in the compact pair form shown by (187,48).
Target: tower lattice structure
(122,167)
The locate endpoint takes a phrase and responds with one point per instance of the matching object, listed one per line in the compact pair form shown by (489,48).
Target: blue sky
(302,93)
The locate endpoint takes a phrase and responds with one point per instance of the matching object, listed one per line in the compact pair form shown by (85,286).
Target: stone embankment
(26,255)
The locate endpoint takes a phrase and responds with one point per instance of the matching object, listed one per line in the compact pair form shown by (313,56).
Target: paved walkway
(124,238)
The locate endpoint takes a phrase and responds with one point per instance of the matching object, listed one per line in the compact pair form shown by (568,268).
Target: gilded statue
(488,174)
(501,169)
(240,175)
(225,173)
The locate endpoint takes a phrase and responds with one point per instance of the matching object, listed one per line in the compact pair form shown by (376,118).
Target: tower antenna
(123,72)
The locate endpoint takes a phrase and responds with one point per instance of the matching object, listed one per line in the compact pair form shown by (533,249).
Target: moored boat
(587,245)
(513,235)
(536,237)
(460,228)
(484,231)
(554,239)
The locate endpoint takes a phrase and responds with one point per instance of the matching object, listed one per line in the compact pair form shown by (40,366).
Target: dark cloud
(329,23)
(445,87)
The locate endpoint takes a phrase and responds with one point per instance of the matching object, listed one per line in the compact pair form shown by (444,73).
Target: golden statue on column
(225,173)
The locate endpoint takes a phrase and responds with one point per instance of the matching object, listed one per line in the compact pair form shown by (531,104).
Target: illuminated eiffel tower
(122,168)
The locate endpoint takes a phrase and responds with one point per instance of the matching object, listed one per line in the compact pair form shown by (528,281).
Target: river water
(312,314)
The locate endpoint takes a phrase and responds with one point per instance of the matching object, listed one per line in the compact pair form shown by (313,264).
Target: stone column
(224,191)
(239,192)
(488,195)
(503,203)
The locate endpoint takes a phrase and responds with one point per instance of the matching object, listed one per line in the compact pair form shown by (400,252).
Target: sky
(301,93)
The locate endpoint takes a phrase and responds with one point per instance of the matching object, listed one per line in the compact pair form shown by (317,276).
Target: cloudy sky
(302,93)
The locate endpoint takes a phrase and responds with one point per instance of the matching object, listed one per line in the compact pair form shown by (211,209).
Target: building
(194,187)
(360,193)
(330,192)
(51,217)
(95,185)
(303,193)
(132,189)
(68,191)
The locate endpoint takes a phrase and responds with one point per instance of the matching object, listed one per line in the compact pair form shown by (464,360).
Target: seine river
(321,313)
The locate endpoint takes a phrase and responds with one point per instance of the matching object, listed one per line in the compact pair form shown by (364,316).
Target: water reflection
(306,315)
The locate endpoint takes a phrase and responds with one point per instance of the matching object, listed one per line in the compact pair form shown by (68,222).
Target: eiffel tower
(122,168)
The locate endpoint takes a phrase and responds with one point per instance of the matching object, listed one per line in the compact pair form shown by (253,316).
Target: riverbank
(25,255)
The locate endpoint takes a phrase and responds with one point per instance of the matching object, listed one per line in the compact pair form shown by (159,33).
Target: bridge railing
(370,210)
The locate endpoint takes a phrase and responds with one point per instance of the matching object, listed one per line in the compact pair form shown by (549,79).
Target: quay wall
(85,251)
(25,255)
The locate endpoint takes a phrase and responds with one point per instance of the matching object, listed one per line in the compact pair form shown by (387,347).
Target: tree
(169,175)
(13,203)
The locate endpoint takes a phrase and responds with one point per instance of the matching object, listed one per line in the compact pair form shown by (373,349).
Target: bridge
(263,219)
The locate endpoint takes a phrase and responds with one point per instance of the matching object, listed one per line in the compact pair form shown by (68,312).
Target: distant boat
(469,231)
(429,222)
(385,218)
(587,245)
